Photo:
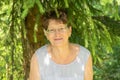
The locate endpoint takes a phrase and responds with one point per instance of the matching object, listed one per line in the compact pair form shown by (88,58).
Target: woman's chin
(58,44)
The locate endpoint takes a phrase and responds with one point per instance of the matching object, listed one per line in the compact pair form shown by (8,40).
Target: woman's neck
(61,51)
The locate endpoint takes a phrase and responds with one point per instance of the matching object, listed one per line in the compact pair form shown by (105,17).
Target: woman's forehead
(53,22)
(58,21)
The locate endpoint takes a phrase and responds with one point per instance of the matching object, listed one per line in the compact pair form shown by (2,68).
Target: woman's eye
(61,29)
(51,30)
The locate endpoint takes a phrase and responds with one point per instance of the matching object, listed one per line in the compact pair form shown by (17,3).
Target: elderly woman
(60,59)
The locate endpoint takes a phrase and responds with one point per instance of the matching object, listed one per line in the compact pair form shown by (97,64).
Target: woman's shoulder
(83,53)
(78,45)
(42,50)
(81,48)
(84,49)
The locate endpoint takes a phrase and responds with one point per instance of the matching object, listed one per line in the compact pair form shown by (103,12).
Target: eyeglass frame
(60,30)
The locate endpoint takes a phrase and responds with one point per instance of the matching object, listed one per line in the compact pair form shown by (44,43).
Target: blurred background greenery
(95,23)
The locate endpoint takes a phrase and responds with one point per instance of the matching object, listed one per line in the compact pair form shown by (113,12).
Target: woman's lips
(57,39)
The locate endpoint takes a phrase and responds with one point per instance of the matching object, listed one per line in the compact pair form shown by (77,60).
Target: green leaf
(66,3)
(41,9)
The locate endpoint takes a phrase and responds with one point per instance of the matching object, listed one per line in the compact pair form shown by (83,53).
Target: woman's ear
(45,33)
(70,31)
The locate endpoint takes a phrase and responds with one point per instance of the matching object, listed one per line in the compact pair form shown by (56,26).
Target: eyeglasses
(60,30)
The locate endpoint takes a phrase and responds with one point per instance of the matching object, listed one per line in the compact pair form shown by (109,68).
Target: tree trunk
(29,42)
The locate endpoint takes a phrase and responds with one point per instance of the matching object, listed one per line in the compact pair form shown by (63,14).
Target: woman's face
(58,33)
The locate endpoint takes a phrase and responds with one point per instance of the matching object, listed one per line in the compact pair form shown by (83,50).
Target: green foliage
(10,42)
(110,66)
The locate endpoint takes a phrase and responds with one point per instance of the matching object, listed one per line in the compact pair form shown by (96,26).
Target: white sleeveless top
(49,70)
